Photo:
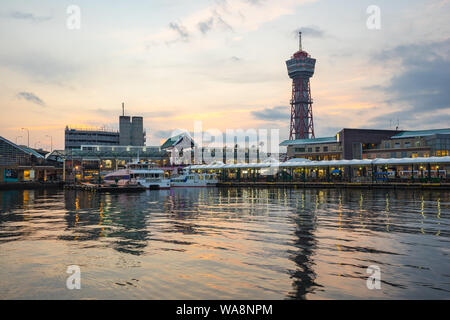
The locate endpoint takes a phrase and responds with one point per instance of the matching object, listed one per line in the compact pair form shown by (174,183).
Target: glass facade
(12,155)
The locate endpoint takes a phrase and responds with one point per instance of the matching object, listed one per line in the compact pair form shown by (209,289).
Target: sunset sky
(222,62)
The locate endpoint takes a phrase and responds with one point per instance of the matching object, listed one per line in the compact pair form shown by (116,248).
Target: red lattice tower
(300,69)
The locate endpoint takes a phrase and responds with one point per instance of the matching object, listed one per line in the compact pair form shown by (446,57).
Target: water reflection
(231,243)
(305,242)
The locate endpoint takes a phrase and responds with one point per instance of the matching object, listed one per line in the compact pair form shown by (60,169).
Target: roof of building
(173,141)
(331,163)
(33,152)
(421,133)
(23,148)
(308,141)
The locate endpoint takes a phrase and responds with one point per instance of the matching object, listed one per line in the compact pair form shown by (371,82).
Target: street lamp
(28,131)
(51,142)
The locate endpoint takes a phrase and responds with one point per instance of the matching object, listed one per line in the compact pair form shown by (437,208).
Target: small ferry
(138,174)
(188,179)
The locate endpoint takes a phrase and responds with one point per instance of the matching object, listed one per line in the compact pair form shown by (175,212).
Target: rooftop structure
(308,141)
(131,130)
(420,133)
(76,137)
(182,139)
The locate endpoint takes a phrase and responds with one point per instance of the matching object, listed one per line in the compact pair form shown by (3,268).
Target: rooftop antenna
(300,40)
(123,109)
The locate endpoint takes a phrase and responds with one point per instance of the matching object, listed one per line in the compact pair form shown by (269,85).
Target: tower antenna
(300,40)
(123,109)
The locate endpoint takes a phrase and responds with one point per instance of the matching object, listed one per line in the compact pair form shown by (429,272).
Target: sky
(221,62)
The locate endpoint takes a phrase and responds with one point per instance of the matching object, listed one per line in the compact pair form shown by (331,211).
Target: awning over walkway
(333,163)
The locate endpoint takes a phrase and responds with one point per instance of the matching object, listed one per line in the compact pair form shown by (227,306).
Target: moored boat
(140,174)
(189,179)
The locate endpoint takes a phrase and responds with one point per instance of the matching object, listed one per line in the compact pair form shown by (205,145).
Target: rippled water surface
(225,244)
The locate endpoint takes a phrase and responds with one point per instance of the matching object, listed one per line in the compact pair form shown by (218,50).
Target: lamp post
(28,131)
(51,142)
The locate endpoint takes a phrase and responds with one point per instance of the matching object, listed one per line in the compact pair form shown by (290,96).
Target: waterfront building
(351,144)
(131,133)
(89,161)
(406,171)
(22,164)
(412,144)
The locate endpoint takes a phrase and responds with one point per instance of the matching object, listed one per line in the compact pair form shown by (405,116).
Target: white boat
(139,174)
(188,179)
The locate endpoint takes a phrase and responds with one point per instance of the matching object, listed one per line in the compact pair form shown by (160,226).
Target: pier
(89,187)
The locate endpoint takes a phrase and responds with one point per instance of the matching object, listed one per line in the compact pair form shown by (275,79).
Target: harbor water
(225,243)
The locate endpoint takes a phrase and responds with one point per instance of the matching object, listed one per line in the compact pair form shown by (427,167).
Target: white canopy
(332,163)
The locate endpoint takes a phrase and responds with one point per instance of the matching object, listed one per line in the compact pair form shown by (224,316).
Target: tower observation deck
(300,69)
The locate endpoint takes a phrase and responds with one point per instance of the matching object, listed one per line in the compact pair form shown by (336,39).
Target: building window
(317,149)
(309,149)
(397,145)
(299,149)
(325,149)
(387,145)
(407,144)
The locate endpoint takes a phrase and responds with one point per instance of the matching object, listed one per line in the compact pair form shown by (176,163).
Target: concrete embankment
(420,186)
(99,188)
(30,185)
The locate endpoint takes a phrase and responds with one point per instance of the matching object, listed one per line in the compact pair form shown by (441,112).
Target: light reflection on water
(225,244)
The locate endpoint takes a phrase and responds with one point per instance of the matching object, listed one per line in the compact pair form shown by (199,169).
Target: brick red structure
(300,69)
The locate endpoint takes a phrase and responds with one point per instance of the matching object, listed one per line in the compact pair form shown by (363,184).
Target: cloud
(180,30)
(311,31)
(420,82)
(280,113)
(27,16)
(42,67)
(31,97)
(237,16)
(206,25)
(162,134)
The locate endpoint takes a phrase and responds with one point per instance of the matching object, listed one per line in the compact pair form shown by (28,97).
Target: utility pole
(51,142)
(28,131)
